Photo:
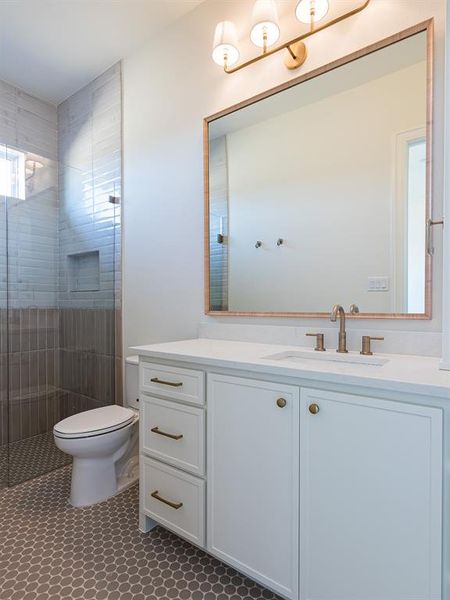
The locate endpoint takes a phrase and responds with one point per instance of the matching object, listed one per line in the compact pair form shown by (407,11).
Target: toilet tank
(132,382)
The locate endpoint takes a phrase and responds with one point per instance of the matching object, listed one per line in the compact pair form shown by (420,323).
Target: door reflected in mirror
(318,193)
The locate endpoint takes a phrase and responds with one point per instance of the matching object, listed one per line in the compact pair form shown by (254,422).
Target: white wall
(169,86)
(326,187)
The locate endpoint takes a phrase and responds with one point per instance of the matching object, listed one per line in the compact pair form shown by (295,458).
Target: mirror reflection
(318,193)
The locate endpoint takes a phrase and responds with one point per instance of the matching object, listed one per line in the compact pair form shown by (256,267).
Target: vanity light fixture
(265,33)
(311,11)
(225,52)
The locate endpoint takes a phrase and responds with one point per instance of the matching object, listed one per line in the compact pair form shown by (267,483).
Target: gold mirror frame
(425,26)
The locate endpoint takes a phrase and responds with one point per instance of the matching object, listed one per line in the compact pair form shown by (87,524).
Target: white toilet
(104,444)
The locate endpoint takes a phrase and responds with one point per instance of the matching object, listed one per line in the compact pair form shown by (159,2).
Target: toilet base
(93,480)
(102,490)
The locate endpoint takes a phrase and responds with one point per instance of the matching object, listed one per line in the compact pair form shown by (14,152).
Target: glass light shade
(305,7)
(225,44)
(265,23)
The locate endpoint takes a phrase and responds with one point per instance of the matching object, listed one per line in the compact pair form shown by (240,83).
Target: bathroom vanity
(323,475)
(316,474)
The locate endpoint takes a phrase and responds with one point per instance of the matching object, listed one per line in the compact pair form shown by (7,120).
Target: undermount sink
(328,356)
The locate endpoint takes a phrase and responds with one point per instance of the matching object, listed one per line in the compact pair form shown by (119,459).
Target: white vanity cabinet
(318,491)
(252,498)
(370,498)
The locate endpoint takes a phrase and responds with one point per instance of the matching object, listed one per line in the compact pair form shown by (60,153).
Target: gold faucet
(335,311)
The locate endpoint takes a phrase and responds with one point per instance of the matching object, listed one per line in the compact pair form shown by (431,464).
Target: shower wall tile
(33,391)
(33,415)
(88,353)
(29,389)
(89,129)
(72,403)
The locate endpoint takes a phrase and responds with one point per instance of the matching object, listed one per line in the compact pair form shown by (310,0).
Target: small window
(12,173)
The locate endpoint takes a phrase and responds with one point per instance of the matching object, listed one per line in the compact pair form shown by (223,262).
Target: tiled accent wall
(87,358)
(89,134)
(34,397)
(218,202)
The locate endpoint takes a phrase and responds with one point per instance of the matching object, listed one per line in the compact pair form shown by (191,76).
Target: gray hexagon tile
(49,550)
(29,458)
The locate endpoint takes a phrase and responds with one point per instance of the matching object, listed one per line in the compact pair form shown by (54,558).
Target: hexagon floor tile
(29,458)
(50,550)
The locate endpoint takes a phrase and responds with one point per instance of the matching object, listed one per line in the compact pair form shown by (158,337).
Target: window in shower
(12,173)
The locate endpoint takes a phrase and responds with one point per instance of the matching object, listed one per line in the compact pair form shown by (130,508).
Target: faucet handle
(320,346)
(366,349)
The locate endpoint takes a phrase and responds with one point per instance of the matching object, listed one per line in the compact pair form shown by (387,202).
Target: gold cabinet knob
(314,409)
(281,402)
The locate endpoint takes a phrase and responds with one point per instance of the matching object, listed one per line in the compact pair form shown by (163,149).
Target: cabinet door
(371,499)
(252,491)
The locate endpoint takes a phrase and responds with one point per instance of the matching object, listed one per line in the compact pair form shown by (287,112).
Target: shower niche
(84,271)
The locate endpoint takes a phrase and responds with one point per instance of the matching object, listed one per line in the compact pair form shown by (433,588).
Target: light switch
(378,284)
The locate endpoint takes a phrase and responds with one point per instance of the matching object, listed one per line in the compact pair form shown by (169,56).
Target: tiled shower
(60,284)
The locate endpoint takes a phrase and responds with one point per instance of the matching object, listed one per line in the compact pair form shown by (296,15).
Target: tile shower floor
(30,458)
(49,550)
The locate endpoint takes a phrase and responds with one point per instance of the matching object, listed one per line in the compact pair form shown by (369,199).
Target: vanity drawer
(186,385)
(174,433)
(174,499)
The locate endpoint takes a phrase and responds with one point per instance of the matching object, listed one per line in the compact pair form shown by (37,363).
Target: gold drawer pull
(175,505)
(314,409)
(171,383)
(172,436)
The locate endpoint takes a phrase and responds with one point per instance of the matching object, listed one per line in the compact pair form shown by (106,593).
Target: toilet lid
(95,421)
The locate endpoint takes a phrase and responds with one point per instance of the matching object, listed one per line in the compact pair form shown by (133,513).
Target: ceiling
(52,48)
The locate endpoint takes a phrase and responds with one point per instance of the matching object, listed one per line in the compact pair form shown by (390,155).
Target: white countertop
(414,374)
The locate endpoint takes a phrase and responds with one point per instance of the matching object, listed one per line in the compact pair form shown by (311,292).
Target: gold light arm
(304,36)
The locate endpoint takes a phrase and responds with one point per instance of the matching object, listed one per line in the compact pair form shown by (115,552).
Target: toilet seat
(97,421)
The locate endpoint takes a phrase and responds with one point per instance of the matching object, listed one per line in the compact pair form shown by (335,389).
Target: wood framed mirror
(318,191)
